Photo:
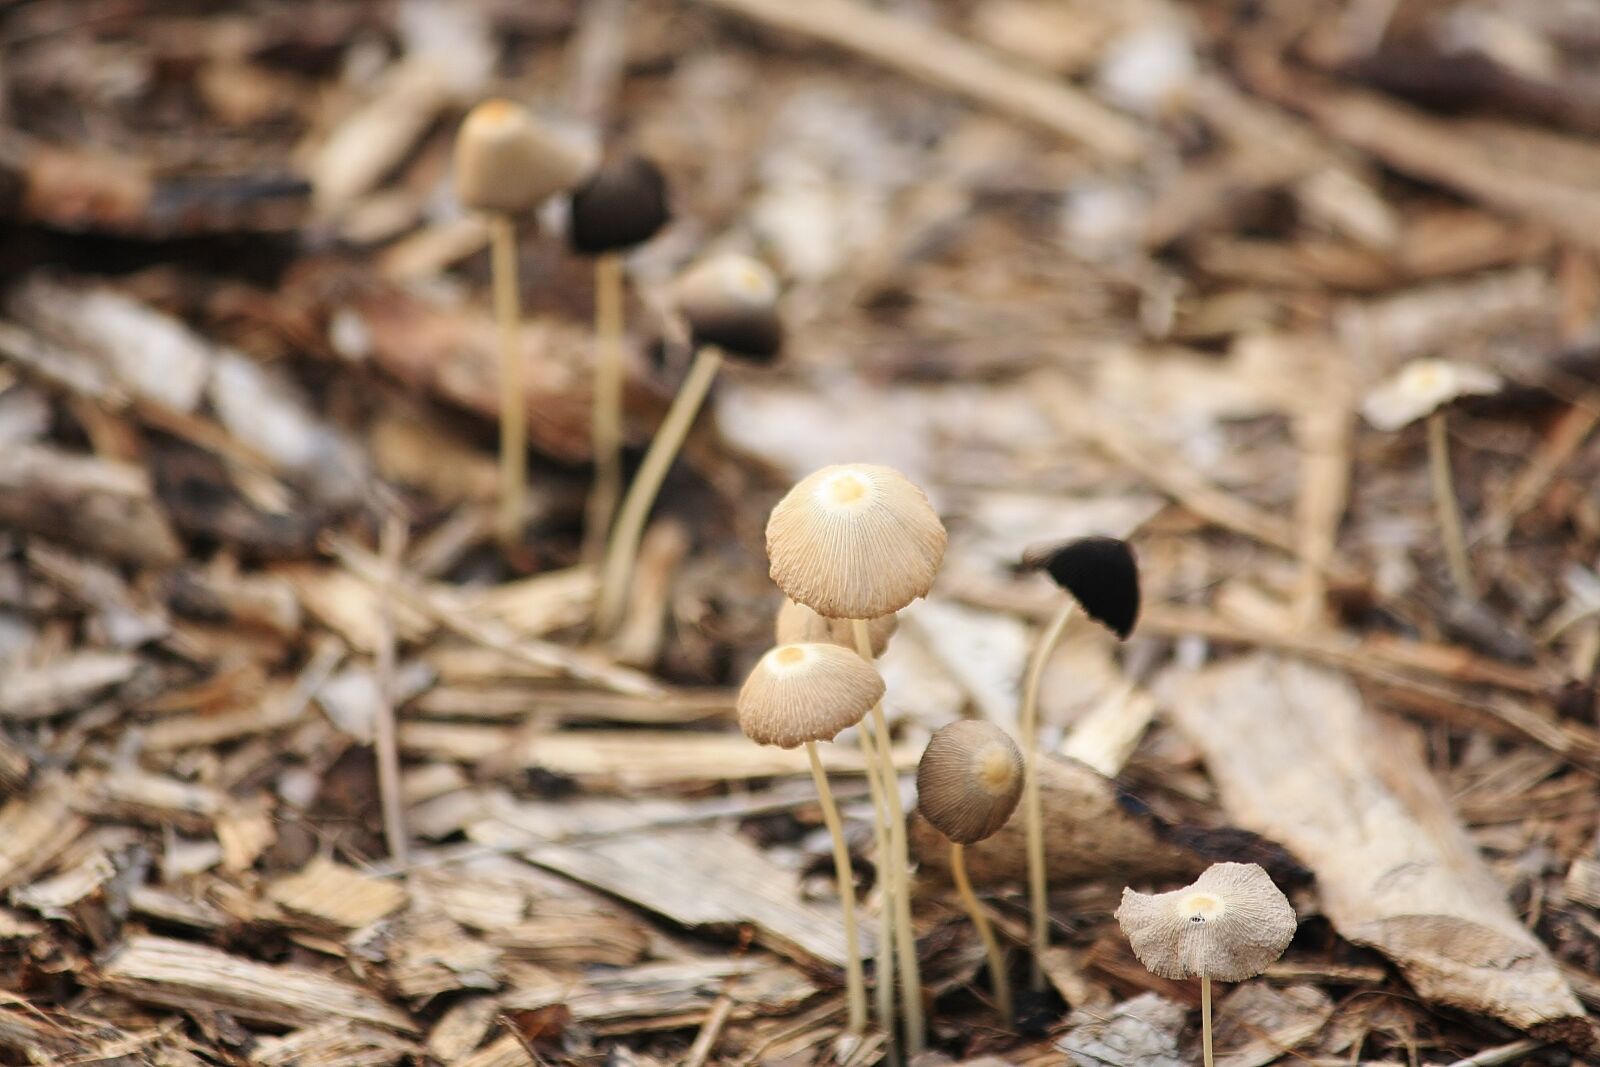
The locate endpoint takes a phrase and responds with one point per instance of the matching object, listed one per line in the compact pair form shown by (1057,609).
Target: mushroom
(1102,577)
(799,695)
(859,541)
(1231,924)
(796,622)
(1424,387)
(620,206)
(730,306)
(968,784)
(505,165)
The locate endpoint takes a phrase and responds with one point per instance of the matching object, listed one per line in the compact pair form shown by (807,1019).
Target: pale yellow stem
(1032,815)
(513,406)
(899,867)
(386,748)
(980,921)
(1205,1017)
(855,983)
(883,989)
(607,404)
(1444,499)
(623,547)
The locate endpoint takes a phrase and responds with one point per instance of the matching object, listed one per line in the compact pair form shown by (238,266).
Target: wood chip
(337,894)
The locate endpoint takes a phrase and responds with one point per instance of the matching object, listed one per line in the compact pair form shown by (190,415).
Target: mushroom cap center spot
(1199,907)
(993,767)
(846,488)
(790,656)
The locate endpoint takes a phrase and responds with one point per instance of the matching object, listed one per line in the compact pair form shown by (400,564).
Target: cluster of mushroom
(507,164)
(849,546)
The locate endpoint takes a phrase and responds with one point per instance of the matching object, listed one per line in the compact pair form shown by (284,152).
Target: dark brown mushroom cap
(1100,573)
(806,692)
(969,780)
(506,161)
(731,301)
(855,541)
(798,623)
(623,204)
(1231,924)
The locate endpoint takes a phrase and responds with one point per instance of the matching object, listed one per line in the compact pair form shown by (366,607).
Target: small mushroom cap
(796,623)
(969,780)
(1101,573)
(623,204)
(731,301)
(855,541)
(506,161)
(1231,924)
(806,692)
(1420,388)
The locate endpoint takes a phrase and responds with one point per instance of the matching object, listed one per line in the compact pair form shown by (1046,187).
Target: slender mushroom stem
(623,547)
(1444,499)
(513,407)
(854,980)
(1205,1017)
(391,545)
(607,403)
(1032,816)
(980,921)
(899,866)
(883,990)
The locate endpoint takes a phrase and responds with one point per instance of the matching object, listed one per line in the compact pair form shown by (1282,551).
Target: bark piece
(1142,1032)
(190,977)
(332,1044)
(699,877)
(106,508)
(65,684)
(1296,757)
(1257,1022)
(336,894)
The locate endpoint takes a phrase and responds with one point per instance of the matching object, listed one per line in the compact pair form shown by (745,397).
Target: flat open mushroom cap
(1231,924)
(1420,388)
(855,541)
(1100,573)
(969,780)
(797,623)
(809,692)
(508,162)
(731,301)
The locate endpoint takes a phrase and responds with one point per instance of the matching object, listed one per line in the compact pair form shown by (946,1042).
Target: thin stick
(899,868)
(1032,817)
(1444,499)
(513,409)
(607,403)
(623,546)
(980,922)
(855,981)
(385,746)
(1205,1017)
(883,990)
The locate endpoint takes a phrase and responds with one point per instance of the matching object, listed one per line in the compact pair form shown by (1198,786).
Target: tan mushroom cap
(1420,388)
(969,780)
(806,692)
(507,162)
(1231,924)
(797,623)
(855,541)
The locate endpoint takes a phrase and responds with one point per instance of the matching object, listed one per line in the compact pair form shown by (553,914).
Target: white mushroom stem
(513,407)
(1444,499)
(1032,818)
(391,546)
(1205,1018)
(980,921)
(607,403)
(854,979)
(623,547)
(883,991)
(898,866)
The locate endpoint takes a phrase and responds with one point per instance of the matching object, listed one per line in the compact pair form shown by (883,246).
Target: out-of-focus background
(1155,270)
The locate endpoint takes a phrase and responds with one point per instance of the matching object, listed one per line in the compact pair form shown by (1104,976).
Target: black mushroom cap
(1100,573)
(622,205)
(731,301)
(752,334)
